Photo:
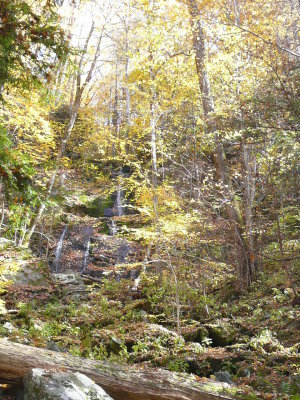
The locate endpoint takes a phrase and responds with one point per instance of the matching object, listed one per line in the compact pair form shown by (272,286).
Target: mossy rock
(222,333)
(97,207)
(107,339)
(25,274)
(93,208)
(195,333)
(115,345)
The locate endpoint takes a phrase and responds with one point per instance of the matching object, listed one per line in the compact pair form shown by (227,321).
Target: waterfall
(123,251)
(137,281)
(113,230)
(88,233)
(59,249)
(118,204)
(136,284)
(86,255)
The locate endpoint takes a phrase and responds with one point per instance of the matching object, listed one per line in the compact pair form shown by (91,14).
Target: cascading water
(118,203)
(88,231)
(59,247)
(113,230)
(123,251)
(118,210)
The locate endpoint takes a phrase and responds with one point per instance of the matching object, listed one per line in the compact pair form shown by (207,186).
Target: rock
(38,325)
(43,385)
(72,285)
(221,333)
(108,212)
(24,273)
(115,345)
(144,315)
(223,376)
(54,347)
(9,327)
(244,373)
(195,333)
(111,343)
(67,279)
(155,328)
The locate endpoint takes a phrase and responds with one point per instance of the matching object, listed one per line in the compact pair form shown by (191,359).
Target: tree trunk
(249,187)
(2,197)
(120,382)
(232,206)
(127,61)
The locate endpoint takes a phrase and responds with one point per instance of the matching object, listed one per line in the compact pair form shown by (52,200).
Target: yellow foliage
(27,120)
(168,200)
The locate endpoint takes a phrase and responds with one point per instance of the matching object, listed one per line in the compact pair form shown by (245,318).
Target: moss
(222,334)
(96,207)
(250,396)
(195,333)
(83,198)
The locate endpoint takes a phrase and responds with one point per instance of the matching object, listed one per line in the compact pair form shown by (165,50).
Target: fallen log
(120,382)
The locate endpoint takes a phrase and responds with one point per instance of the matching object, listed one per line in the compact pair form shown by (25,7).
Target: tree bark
(120,382)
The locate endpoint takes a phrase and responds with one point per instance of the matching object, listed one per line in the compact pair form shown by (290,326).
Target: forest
(149,199)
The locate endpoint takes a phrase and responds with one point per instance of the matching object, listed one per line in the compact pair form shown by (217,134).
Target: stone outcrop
(221,332)
(48,385)
(71,284)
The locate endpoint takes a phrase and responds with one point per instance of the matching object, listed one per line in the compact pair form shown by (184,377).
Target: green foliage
(266,341)
(177,365)
(141,347)
(30,38)
(15,169)
(100,352)
(16,173)
(51,329)
(154,290)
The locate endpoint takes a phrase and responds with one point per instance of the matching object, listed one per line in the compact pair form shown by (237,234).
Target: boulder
(54,347)
(25,273)
(71,284)
(8,326)
(195,333)
(224,376)
(222,333)
(48,385)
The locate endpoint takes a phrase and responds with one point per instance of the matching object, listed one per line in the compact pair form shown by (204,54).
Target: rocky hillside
(98,297)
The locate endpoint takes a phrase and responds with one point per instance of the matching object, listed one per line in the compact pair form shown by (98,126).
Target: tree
(81,86)
(246,273)
(30,40)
